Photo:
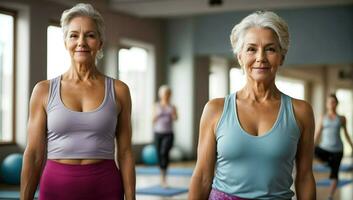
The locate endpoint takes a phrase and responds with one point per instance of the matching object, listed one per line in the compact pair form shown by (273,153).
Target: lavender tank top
(81,135)
(164,122)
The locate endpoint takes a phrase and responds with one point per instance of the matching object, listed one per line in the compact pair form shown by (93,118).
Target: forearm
(127,168)
(200,188)
(30,176)
(305,188)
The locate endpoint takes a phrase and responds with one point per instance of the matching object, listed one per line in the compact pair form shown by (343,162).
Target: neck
(164,102)
(259,92)
(82,72)
(331,112)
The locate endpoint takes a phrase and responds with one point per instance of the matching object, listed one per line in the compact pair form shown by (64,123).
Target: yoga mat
(170,171)
(157,190)
(324,168)
(10,194)
(326,182)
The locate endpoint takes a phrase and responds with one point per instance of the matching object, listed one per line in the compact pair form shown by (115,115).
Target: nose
(261,56)
(81,41)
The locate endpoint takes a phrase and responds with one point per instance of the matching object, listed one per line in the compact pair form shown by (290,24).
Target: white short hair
(262,19)
(83,9)
(163,89)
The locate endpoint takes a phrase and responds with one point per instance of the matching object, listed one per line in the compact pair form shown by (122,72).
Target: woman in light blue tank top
(76,123)
(250,140)
(330,149)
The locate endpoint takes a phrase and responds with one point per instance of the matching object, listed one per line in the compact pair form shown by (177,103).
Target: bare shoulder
(121,87)
(41,91)
(303,112)
(213,110)
(215,105)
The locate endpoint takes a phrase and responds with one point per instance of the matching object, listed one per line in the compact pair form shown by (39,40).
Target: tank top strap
(228,111)
(54,90)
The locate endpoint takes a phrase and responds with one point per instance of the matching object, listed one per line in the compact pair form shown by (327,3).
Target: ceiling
(173,8)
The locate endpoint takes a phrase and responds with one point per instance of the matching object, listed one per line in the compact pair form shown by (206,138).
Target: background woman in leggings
(330,149)
(163,116)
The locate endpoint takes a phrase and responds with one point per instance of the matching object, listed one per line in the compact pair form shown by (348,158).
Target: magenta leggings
(219,195)
(75,182)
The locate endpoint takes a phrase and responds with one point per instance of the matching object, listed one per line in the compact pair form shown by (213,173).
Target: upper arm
(37,120)
(206,151)
(305,119)
(123,129)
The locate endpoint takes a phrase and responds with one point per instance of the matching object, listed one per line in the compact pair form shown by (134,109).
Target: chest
(257,119)
(82,97)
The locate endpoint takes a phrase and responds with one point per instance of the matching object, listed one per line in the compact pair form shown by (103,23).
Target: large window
(7,24)
(237,79)
(292,87)
(135,70)
(58,59)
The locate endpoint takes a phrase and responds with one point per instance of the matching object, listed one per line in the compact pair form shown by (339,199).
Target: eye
(271,49)
(73,36)
(91,35)
(250,49)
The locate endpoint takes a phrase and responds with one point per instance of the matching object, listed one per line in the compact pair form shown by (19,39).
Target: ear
(239,59)
(282,61)
(101,45)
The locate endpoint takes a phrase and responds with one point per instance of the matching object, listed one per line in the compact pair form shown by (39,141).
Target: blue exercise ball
(11,168)
(149,155)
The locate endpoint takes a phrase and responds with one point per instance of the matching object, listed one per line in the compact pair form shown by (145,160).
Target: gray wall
(318,35)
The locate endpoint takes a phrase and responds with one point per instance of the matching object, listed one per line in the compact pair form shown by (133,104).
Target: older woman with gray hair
(250,140)
(85,136)
(164,114)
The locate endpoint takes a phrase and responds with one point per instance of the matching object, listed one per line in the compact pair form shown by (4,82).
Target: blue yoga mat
(7,194)
(325,168)
(326,182)
(170,172)
(160,191)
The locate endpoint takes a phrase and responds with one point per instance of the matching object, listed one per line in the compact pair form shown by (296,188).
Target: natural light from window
(134,71)
(58,60)
(6,76)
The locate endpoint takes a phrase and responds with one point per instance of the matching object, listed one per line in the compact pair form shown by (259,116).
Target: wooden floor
(343,193)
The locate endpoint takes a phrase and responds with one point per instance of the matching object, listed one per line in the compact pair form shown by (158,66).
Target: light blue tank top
(331,137)
(256,167)
(81,135)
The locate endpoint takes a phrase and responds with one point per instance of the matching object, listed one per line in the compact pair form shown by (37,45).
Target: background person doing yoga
(164,114)
(330,149)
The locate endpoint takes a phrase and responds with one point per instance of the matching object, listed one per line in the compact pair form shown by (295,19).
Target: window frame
(14,14)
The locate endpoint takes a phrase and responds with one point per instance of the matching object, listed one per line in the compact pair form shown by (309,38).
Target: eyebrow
(74,31)
(253,44)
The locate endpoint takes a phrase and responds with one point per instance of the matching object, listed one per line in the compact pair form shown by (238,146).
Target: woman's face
(331,103)
(82,40)
(260,55)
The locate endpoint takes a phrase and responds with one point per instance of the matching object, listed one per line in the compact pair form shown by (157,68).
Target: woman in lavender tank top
(164,114)
(76,121)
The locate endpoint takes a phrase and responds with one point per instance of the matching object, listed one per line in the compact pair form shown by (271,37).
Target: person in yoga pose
(330,149)
(79,142)
(163,116)
(250,140)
